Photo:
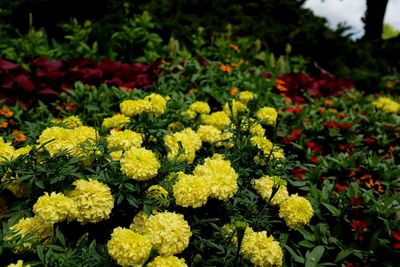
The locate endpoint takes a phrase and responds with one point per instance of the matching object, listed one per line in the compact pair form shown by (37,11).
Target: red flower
(359,228)
(294,136)
(345,126)
(340,188)
(396,235)
(298,173)
(314,159)
(370,140)
(341,116)
(296,109)
(330,124)
(314,147)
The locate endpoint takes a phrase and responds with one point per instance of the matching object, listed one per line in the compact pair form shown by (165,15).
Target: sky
(350,12)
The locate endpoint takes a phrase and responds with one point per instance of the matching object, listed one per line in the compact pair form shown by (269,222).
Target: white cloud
(351,12)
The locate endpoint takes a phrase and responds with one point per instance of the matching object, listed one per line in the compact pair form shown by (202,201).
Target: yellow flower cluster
(296,211)
(188,139)
(20,263)
(72,122)
(153,103)
(264,187)
(191,191)
(266,146)
(247,96)
(35,228)
(213,135)
(128,248)
(55,208)
(215,178)
(198,107)
(387,104)
(20,190)
(9,153)
(159,193)
(117,121)
(93,199)
(139,164)
(267,115)
(261,250)
(168,261)
(75,142)
(218,119)
(234,108)
(123,140)
(168,232)
(221,177)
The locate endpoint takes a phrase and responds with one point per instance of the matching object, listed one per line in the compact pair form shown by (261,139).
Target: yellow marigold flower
(213,135)
(218,119)
(247,96)
(72,122)
(55,208)
(278,153)
(117,121)
(123,140)
(9,153)
(138,222)
(83,139)
(116,155)
(387,104)
(19,190)
(58,140)
(261,250)
(128,248)
(267,115)
(139,164)
(188,139)
(262,143)
(159,193)
(134,107)
(94,200)
(6,151)
(169,232)
(198,107)
(264,187)
(22,151)
(20,263)
(296,211)
(35,228)
(158,104)
(236,107)
(220,175)
(191,191)
(168,261)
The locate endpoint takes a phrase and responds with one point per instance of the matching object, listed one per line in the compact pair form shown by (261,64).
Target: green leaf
(314,256)
(332,209)
(296,257)
(343,254)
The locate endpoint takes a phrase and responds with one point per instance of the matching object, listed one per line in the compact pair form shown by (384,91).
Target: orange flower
(389,85)
(329,102)
(19,137)
(126,89)
(280,85)
(234,64)
(234,47)
(233,91)
(6,112)
(4,124)
(70,106)
(376,185)
(321,109)
(192,91)
(225,68)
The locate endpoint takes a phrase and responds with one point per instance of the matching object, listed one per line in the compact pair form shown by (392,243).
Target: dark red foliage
(396,235)
(297,84)
(46,79)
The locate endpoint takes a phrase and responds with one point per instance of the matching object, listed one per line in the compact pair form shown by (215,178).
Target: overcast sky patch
(350,12)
